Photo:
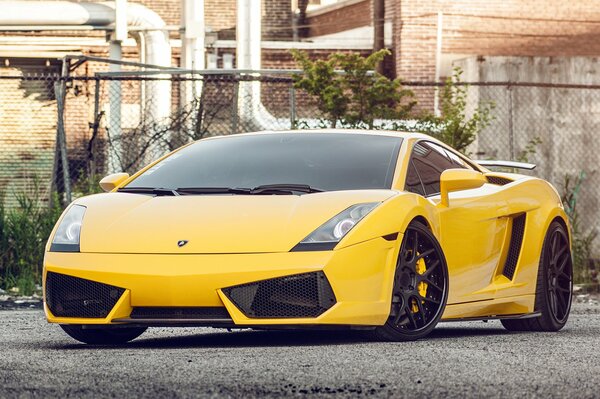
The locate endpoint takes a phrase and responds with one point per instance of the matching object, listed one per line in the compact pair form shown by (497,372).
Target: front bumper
(360,277)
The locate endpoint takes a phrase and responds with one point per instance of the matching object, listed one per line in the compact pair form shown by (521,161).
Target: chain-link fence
(67,130)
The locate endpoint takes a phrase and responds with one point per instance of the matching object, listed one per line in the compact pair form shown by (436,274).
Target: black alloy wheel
(554,290)
(420,287)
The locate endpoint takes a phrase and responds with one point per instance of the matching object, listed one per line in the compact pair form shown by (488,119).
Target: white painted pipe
(54,13)
(248,56)
(155,46)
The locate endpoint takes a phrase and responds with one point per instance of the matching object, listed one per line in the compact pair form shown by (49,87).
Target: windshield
(323,161)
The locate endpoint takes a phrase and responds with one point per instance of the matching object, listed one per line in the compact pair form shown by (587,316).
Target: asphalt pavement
(458,360)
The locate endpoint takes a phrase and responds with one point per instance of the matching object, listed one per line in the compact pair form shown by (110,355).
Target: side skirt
(500,317)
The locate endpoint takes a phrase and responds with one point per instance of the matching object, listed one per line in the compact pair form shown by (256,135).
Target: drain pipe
(192,48)
(154,50)
(251,110)
(65,15)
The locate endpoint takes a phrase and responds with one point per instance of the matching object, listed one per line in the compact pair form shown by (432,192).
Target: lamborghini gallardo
(380,231)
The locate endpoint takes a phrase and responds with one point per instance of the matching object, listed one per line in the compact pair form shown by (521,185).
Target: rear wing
(507,164)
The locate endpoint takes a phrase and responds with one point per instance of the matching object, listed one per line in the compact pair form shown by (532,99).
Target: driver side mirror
(110,182)
(458,180)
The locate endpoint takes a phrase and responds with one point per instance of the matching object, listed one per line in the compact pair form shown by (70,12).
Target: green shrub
(581,239)
(351,95)
(348,91)
(24,231)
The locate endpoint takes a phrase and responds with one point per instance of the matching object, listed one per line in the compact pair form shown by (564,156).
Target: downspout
(251,111)
(148,31)
(65,15)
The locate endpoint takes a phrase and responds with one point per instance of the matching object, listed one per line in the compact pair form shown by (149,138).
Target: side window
(430,160)
(413,181)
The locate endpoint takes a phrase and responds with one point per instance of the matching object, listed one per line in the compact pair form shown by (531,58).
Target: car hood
(135,223)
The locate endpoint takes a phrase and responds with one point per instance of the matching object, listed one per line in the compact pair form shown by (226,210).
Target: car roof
(390,133)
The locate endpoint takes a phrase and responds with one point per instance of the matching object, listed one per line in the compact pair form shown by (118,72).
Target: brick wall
(491,27)
(282,59)
(355,15)
(277,20)
(498,27)
(26,142)
(220,15)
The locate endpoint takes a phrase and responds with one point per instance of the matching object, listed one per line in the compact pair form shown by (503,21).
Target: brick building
(469,28)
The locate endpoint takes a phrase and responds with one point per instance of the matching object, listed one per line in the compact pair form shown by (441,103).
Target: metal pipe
(115,102)
(252,113)
(148,25)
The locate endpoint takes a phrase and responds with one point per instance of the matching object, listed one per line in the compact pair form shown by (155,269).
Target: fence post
(60,90)
(234,106)
(511,134)
(292,106)
(95,125)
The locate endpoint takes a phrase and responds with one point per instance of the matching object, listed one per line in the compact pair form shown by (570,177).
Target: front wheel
(420,287)
(102,336)
(554,290)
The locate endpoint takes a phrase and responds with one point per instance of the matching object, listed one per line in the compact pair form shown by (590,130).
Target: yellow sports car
(381,231)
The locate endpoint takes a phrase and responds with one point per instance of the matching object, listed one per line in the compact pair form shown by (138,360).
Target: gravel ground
(459,359)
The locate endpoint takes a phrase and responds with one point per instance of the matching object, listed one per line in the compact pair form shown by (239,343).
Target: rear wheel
(102,336)
(420,287)
(554,284)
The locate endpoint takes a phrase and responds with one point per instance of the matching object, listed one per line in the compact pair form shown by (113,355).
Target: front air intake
(68,296)
(304,295)
(180,313)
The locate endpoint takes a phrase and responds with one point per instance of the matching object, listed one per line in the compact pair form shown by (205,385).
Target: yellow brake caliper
(422,287)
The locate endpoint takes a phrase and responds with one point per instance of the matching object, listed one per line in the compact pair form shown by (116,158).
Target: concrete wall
(567,120)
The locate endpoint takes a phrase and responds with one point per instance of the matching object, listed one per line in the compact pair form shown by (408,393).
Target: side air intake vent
(68,296)
(296,296)
(514,248)
(498,180)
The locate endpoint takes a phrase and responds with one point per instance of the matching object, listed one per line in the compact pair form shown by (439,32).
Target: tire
(420,287)
(554,287)
(102,336)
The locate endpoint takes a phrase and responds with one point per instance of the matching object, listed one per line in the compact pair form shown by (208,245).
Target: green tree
(350,94)
(348,91)
(455,126)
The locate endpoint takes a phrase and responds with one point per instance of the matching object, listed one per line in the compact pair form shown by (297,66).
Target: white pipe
(193,53)
(149,32)
(55,13)
(193,32)
(248,56)
(115,108)
(248,29)
(156,51)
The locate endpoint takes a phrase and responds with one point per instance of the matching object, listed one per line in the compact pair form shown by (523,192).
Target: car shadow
(279,338)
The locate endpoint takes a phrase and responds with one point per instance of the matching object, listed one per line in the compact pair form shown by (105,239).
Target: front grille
(68,296)
(296,296)
(192,313)
(514,248)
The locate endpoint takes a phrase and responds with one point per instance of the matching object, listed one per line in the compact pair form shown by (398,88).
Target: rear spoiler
(507,164)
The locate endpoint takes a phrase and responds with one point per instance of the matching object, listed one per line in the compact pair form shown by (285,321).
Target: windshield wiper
(212,190)
(258,190)
(284,189)
(159,192)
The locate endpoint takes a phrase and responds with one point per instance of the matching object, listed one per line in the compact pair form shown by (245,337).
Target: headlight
(66,238)
(331,232)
